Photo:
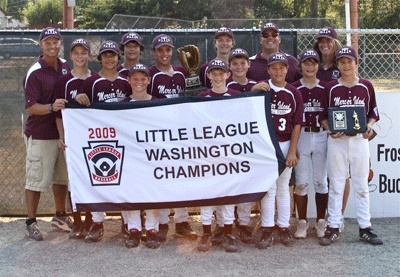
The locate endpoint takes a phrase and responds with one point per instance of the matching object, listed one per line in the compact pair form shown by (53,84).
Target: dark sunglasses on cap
(267,35)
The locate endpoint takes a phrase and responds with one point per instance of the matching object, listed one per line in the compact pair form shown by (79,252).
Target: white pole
(348,26)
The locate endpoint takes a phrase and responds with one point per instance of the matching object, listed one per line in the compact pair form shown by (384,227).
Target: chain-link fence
(379,61)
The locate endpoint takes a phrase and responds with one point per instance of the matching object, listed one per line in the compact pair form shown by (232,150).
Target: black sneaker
(331,235)
(162,232)
(134,238)
(185,230)
(152,239)
(367,235)
(96,232)
(218,235)
(205,243)
(245,233)
(285,236)
(86,228)
(76,231)
(229,243)
(267,238)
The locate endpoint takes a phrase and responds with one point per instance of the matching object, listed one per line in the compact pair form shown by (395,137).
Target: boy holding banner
(287,112)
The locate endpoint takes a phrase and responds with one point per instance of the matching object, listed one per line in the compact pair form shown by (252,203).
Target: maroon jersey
(329,74)
(205,82)
(39,85)
(67,87)
(242,88)
(286,109)
(258,70)
(99,89)
(122,70)
(210,93)
(361,94)
(312,99)
(164,86)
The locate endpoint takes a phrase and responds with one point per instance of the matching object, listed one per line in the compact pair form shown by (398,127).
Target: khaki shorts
(45,164)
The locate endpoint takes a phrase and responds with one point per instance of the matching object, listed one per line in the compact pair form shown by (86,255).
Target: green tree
(41,13)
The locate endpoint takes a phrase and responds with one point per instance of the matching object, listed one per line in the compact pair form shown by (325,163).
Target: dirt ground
(58,255)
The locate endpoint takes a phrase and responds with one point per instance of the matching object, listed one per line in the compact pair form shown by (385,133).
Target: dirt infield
(59,256)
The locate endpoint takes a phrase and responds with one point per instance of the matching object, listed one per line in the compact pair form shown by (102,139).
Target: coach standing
(270,41)
(45,163)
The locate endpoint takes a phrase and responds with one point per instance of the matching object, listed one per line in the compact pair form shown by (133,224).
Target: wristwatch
(51,107)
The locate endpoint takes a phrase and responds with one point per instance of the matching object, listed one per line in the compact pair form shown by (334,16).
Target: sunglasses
(267,35)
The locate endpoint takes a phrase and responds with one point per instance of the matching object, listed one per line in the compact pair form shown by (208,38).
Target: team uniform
(329,74)
(242,88)
(210,93)
(312,142)
(100,89)
(164,86)
(349,151)
(68,87)
(122,70)
(39,86)
(287,111)
(258,70)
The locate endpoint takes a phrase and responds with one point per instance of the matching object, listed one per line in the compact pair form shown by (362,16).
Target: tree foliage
(41,13)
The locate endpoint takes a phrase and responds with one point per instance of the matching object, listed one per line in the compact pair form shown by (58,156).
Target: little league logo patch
(104,160)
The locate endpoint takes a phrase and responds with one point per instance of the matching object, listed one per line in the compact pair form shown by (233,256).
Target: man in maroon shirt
(270,41)
(45,163)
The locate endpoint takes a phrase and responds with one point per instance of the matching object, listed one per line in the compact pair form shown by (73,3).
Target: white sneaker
(341,227)
(302,227)
(320,227)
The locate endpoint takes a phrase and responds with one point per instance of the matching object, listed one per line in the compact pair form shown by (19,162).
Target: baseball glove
(189,56)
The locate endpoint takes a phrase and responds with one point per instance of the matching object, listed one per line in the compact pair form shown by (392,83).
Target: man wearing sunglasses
(270,41)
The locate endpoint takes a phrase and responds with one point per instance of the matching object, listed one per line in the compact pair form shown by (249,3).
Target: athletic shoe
(245,233)
(331,235)
(62,223)
(341,227)
(367,235)
(124,229)
(229,243)
(267,238)
(302,228)
(285,236)
(152,239)
(134,238)
(86,228)
(320,227)
(205,243)
(96,232)
(184,229)
(34,232)
(76,231)
(162,232)
(218,235)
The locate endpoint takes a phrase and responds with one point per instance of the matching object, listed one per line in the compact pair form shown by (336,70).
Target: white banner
(169,153)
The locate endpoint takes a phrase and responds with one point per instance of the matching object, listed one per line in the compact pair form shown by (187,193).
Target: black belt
(312,129)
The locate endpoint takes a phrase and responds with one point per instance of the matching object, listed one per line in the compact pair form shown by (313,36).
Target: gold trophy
(189,57)
(356,121)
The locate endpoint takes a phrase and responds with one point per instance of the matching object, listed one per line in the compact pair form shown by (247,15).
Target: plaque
(349,120)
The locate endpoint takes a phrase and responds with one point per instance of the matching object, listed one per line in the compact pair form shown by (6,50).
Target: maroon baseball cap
(82,42)
(309,54)
(278,58)
(139,68)
(134,37)
(109,46)
(161,40)
(346,52)
(49,32)
(238,52)
(217,63)
(269,26)
(327,32)
(223,31)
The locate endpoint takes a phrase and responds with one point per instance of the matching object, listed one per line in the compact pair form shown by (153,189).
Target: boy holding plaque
(349,147)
